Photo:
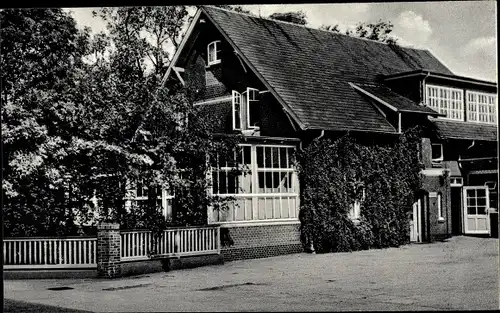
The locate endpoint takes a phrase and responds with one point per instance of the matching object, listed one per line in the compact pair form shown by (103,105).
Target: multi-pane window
(245,109)
(275,170)
(445,100)
(213,53)
(230,177)
(252,107)
(481,107)
(236,102)
(137,195)
(263,181)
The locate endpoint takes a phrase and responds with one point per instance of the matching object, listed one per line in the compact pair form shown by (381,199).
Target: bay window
(481,107)
(266,190)
(445,100)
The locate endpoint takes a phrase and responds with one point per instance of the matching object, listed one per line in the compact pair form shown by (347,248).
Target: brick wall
(260,241)
(433,185)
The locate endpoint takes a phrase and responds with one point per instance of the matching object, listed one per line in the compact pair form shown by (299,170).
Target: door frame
(465,209)
(417,220)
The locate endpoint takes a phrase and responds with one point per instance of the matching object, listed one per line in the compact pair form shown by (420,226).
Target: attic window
(252,108)
(236,110)
(213,53)
(245,109)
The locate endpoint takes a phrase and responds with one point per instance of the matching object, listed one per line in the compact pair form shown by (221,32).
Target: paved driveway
(459,274)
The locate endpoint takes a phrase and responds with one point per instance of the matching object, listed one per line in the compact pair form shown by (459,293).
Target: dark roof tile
(310,69)
(466,130)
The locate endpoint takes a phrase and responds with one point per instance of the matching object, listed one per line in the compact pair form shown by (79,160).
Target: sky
(461,34)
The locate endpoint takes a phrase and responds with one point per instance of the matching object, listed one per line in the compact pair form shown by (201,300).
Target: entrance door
(476,205)
(415,224)
(456,210)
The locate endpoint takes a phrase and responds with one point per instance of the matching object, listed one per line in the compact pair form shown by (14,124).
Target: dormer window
(445,100)
(437,153)
(481,107)
(213,53)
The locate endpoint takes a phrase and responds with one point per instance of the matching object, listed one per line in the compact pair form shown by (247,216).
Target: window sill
(213,63)
(289,221)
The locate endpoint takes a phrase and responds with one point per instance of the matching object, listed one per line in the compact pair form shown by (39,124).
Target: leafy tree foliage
(333,175)
(375,31)
(41,55)
(298,17)
(236,8)
(83,115)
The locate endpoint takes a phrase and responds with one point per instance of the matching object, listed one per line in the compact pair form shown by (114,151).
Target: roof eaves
(181,46)
(287,109)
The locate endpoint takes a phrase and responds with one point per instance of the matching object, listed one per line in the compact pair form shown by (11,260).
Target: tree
(41,53)
(163,140)
(236,8)
(378,31)
(84,115)
(298,17)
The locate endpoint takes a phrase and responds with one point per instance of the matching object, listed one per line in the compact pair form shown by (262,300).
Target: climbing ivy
(333,174)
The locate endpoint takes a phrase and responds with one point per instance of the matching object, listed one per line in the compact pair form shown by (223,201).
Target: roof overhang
(179,50)
(186,38)
(455,78)
(427,111)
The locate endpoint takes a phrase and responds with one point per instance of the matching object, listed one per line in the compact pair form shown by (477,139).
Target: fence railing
(81,252)
(40,253)
(138,245)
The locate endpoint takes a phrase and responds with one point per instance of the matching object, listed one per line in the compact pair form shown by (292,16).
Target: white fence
(81,252)
(48,253)
(138,245)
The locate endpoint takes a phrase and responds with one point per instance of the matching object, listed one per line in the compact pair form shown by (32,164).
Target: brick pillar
(108,250)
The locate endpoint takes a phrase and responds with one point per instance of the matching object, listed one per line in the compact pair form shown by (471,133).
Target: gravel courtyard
(459,274)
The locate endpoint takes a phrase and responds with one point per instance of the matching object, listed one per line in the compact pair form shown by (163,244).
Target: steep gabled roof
(309,69)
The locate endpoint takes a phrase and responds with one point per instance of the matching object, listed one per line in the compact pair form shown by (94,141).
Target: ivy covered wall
(333,175)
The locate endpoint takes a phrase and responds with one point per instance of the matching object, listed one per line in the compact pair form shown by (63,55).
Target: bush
(333,175)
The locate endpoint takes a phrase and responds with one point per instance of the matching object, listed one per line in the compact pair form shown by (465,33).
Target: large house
(281,85)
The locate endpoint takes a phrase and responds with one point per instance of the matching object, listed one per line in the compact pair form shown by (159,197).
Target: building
(282,85)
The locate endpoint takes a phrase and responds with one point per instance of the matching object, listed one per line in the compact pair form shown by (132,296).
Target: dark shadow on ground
(15,306)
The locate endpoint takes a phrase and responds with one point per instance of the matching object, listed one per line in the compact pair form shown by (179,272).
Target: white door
(415,222)
(476,205)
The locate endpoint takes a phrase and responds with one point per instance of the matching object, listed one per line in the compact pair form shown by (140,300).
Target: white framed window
(213,53)
(440,207)
(252,108)
(446,100)
(236,109)
(225,177)
(355,210)
(245,109)
(267,190)
(275,170)
(437,152)
(481,107)
(137,195)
